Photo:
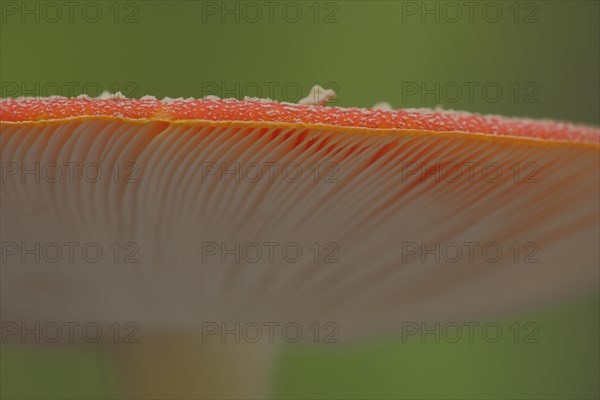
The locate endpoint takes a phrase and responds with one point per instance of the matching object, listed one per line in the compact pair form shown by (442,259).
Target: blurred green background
(542,56)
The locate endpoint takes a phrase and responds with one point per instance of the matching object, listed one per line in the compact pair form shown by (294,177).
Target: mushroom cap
(267,112)
(398,214)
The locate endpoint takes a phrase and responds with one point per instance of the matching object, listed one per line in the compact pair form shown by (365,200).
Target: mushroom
(219,211)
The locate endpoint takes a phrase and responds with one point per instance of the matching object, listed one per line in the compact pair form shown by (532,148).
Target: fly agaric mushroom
(399,215)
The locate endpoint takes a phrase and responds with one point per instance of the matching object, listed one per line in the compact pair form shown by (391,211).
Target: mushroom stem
(184,367)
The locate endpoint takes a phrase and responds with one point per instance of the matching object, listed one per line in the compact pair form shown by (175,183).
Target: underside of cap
(372,196)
